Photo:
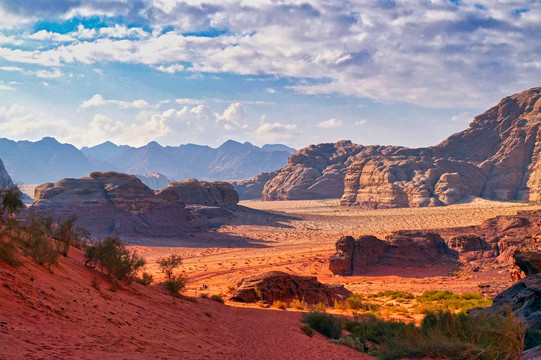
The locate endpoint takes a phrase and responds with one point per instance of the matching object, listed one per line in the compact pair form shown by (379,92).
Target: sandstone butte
(497,157)
(111,203)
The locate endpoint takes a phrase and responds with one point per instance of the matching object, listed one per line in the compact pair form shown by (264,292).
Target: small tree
(11,200)
(67,234)
(174,282)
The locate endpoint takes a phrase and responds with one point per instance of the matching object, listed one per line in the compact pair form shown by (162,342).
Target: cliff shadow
(247,216)
(411,272)
(201,240)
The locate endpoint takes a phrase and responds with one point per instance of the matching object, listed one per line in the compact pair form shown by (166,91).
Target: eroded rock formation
(192,191)
(277,285)
(497,157)
(402,248)
(496,239)
(112,203)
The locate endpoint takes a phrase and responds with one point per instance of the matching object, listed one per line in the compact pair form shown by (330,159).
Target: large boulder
(528,261)
(192,191)
(524,300)
(401,248)
(277,285)
(112,203)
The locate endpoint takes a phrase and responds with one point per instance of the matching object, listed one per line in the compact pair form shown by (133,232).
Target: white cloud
(11,68)
(50,36)
(329,124)
(232,117)
(275,132)
(361,122)
(271,91)
(6,87)
(98,100)
(49,74)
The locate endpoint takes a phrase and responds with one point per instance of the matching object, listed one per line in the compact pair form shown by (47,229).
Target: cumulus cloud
(329,124)
(98,100)
(431,53)
(275,132)
(232,117)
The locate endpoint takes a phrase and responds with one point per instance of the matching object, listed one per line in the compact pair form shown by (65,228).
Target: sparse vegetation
(112,257)
(174,283)
(307,330)
(11,200)
(34,242)
(217,298)
(323,323)
(145,279)
(298,304)
(8,253)
(67,234)
(279,304)
(441,334)
(438,300)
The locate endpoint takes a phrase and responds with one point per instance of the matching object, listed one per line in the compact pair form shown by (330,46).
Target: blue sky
(265,71)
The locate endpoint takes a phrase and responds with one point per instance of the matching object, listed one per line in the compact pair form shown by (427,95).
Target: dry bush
(145,279)
(174,283)
(279,304)
(298,304)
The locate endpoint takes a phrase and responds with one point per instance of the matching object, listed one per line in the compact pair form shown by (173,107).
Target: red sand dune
(60,315)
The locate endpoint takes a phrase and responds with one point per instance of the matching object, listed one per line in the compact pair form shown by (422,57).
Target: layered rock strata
(192,191)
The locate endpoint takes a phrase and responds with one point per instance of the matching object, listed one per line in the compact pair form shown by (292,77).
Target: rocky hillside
(5,179)
(497,157)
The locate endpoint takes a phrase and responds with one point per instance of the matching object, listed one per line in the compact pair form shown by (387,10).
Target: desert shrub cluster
(441,334)
(112,258)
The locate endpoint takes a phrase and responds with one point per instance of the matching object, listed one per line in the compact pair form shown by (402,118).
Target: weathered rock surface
(497,157)
(402,248)
(496,239)
(112,203)
(317,172)
(528,261)
(207,193)
(277,285)
(252,188)
(524,299)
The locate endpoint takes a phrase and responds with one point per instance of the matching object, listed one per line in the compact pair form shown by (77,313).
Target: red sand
(60,315)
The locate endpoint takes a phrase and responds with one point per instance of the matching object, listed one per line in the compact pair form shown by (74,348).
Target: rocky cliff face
(495,240)
(5,179)
(114,204)
(402,248)
(317,172)
(207,193)
(497,157)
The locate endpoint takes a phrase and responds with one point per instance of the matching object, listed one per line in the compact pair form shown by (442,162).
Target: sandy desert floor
(299,236)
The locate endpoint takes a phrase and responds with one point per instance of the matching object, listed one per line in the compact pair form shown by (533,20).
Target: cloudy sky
(266,71)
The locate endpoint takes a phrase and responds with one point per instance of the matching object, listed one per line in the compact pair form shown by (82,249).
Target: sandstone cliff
(114,204)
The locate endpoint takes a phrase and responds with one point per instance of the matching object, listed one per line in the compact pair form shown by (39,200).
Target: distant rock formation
(252,188)
(277,285)
(5,179)
(154,180)
(498,157)
(192,191)
(496,239)
(112,203)
(317,172)
(402,248)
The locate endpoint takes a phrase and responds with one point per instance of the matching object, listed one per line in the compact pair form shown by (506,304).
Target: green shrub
(173,283)
(36,244)
(441,335)
(145,279)
(67,234)
(204,295)
(112,257)
(324,324)
(307,330)
(8,253)
(395,294)
(355,301)
(10,199)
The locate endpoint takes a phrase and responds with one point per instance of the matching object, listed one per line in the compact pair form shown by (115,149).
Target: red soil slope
(60,315)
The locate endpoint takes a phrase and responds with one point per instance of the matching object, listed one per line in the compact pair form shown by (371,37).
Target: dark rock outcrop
(528,262)
(277,285)
(402,248)
(114,204)
(524,300)
(207,193)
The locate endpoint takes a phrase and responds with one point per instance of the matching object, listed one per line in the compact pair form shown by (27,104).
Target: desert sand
(299,237)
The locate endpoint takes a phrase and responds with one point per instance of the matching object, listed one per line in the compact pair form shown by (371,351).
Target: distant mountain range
(48,160)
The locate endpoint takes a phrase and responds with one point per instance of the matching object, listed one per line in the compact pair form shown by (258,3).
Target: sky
(265,71)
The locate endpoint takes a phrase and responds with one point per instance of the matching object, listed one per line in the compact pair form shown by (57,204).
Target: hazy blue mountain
(48,160)
(45,160)
(278,147)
